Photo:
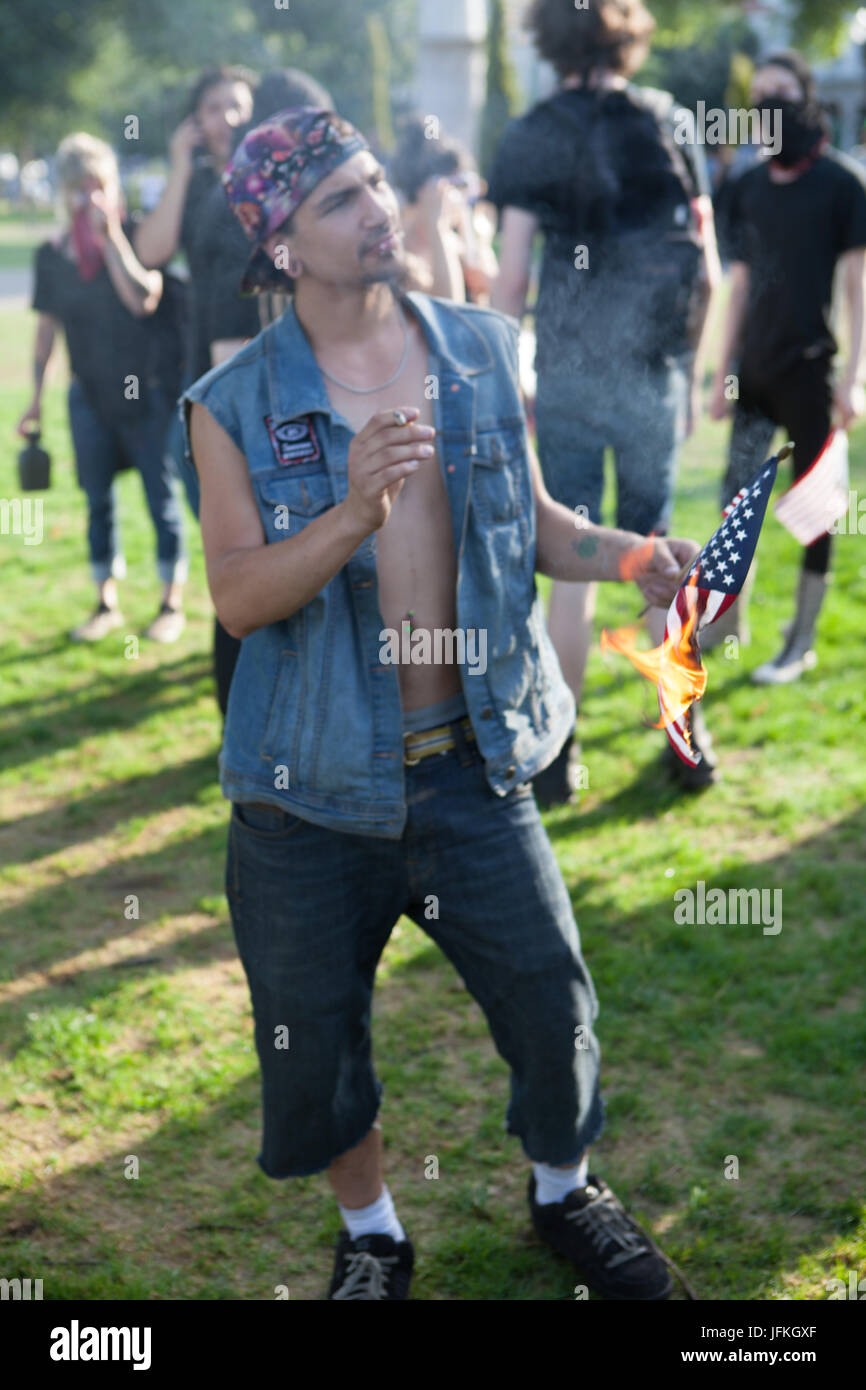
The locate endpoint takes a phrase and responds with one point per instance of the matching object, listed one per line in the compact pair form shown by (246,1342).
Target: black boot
(556,784)
(705,773)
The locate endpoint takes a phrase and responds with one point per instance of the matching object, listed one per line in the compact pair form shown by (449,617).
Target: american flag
(712,582)
(820,496)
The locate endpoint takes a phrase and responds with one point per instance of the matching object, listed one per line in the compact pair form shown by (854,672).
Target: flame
(675,667)
(633,563)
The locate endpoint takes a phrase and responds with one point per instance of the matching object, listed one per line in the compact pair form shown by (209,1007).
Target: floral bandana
(275,167)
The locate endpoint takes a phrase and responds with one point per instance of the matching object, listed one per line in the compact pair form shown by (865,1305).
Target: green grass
(127,1042)
(20,233)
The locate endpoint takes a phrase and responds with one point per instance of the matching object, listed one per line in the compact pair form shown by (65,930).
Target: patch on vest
(294,441)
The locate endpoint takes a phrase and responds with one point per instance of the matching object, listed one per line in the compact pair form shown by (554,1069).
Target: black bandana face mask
(800,125)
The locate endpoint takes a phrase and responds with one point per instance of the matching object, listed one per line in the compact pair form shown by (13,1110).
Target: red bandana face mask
(87,250)
(85,243)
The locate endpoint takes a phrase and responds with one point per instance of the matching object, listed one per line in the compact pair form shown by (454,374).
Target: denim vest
(314,720)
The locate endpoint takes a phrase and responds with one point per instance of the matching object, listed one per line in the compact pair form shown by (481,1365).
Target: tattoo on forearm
(587,546)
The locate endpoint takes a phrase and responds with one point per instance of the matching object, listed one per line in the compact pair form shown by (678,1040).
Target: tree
(700,70)
(380,82)
(40,53)
(501,100)
(817,26)
(103,59)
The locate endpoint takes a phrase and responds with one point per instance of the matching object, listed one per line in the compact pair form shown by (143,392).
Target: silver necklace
(369,390)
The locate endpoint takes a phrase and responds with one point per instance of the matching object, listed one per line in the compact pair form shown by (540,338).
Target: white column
(451,74)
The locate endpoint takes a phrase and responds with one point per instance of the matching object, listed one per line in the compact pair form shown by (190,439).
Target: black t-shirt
(224,244)
(593,166)
(791,236)
(106,343)
(217,251)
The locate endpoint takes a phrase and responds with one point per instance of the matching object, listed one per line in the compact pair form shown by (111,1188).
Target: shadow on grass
(446,1094)
(65,718)
(88,816)
(104,891)
(35,651)
(652,792)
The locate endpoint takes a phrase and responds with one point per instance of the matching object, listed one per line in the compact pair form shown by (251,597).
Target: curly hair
(613,34)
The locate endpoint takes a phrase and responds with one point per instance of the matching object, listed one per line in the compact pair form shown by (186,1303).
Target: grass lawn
(125,1027)
(19,233)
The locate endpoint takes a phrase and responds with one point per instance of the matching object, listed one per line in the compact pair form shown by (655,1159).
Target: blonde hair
(80,156)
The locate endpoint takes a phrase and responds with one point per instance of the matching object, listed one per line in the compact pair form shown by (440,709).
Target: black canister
(34,465)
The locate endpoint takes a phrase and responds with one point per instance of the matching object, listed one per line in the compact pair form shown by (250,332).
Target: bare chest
(421,511)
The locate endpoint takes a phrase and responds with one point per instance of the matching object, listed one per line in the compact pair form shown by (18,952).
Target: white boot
(797,654)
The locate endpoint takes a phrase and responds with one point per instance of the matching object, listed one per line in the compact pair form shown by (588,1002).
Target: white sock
(379,1218)
(554,1184)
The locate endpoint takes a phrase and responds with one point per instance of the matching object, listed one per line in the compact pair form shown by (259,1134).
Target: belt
(439,740)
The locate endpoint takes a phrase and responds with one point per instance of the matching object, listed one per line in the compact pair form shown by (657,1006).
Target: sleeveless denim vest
(314,720)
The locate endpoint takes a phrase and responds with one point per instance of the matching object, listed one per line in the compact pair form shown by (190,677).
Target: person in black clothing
(220,105)
(218,251)
(629,261)
(795,220)
(219,108)
(232,317)
(89,283)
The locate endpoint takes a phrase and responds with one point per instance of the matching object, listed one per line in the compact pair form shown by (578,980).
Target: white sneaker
(167,626)
(101,622)
(779,672)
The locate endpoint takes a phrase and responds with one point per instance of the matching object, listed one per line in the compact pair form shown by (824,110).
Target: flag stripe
(809,508)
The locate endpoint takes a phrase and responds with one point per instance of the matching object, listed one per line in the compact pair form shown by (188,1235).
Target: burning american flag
(711,583)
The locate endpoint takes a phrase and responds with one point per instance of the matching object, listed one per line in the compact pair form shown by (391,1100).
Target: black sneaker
(612,1252)
(691,779)
(556,785)
(374,1266)
(706,772)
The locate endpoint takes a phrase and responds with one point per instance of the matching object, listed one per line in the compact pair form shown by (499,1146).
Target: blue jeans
(312,910)
(636,409)
(102,448)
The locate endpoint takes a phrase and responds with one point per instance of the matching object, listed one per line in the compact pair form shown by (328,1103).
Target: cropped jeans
(312,910)
(102,449)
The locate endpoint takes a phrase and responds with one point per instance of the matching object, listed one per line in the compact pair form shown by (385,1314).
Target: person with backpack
(90,285)
(797,219)
(607,172)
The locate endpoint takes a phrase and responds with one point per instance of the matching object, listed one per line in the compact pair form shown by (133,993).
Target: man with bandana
(365,470)
(796,219)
